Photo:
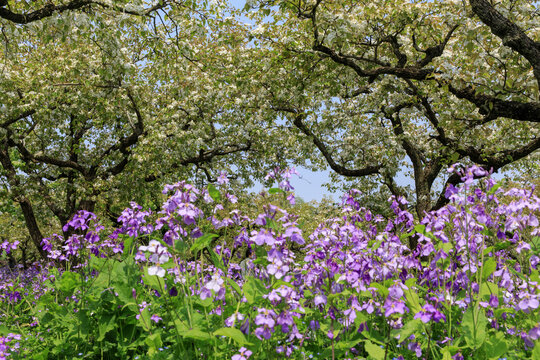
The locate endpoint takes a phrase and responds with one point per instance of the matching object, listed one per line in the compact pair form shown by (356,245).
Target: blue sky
(309,186)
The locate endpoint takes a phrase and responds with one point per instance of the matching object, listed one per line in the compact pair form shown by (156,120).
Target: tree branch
(368,170)
(49,9)
(493,107)
(510,34)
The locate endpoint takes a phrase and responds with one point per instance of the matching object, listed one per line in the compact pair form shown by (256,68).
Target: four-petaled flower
(244,354)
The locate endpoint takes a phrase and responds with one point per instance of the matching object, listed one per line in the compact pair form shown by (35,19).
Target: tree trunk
(31,224)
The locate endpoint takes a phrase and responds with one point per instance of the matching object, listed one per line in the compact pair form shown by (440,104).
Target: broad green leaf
(473,327)
(202,242)
(68,282)
(489,267)
(151,280)
(204,303)
(374,351)
(217,260)
(381,289)
(181,245)
(215,194)
(106,323)
(234,285)
(253,289)
(488,288)
(412,300)
(128,242)
(118,272)
(83,321)
(154,343)
(4,330)
(536,351)
(496,346)
(447,355)
(408,329)
(234,334)
(144,319)
(197,334)
(346,345)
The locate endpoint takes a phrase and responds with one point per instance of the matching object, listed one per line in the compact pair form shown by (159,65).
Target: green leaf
(346,345)
(412,300)
(273,224)
(235,286)
(202,242)
(473,327)
(197,334)
(118,272)
(494,188)
(84,321)
(234,334)
(253,289)
(128,242)
(204,303)
(106,324)
(408,329)
(4,330)
(181,246)
(68,282)
(496,346)
(151,280)
(374,351)
(154,343)
(447,355)
(97,263)
(503,245)
(214,193)
(217,260)
(536,351)
(487,289)
(125,295)
(381,289)
(489,267)
(275,191)
(144,319)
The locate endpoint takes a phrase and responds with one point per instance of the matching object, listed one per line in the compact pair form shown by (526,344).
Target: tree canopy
(104,100)
(380,86)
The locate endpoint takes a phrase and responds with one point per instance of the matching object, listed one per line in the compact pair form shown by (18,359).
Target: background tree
(381,86)
(104,102)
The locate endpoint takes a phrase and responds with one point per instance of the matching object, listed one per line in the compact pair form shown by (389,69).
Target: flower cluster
(158,256)
(472,269)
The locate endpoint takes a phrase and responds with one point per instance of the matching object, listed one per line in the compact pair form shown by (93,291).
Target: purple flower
(231,320)
(528,302)
(264,332)
(414,346)
(222,178)
(428,313)
(263,237)
(244,354)
(394,307)
(320,299)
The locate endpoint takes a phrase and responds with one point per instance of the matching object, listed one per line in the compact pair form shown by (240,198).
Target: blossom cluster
(356,279)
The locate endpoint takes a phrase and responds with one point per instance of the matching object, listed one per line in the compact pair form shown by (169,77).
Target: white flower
(156,270)
(159,258)
(152,247)
(215,283)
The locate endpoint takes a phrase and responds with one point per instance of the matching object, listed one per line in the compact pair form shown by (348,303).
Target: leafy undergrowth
(201,280)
